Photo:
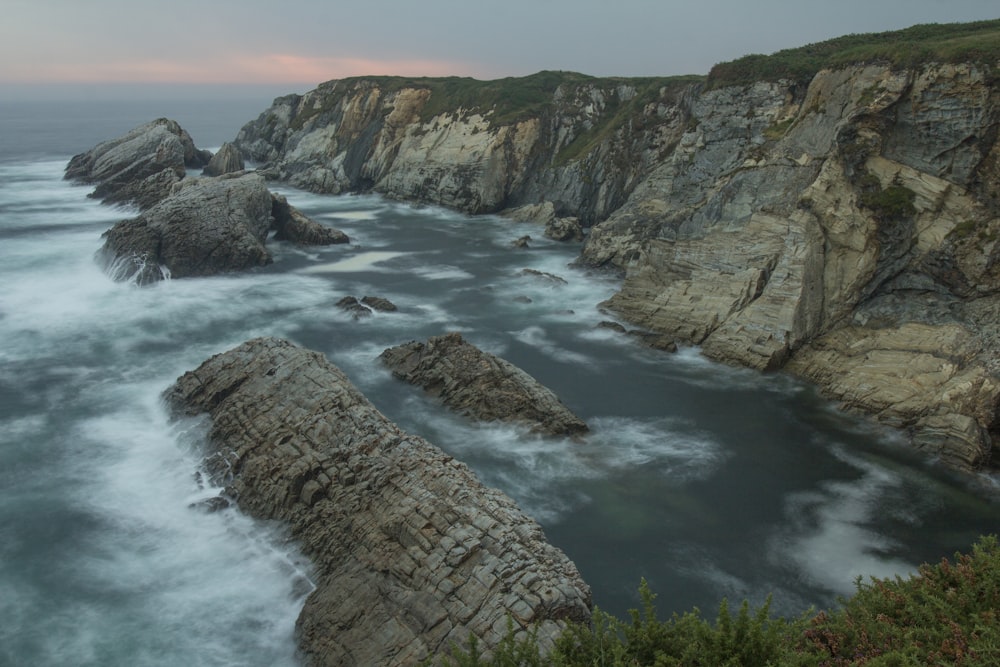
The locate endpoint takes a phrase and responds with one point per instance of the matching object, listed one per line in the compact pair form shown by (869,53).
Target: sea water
(705,480)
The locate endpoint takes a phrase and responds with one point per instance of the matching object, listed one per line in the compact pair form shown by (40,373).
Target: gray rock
(481,385)
(130,169)
(206,226)
(290,224)
(379,303)
(410,551)
(226,161)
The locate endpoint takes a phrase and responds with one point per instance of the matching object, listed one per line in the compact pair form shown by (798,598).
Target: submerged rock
(411,552)
(206,226)
(139,167)
(481,385)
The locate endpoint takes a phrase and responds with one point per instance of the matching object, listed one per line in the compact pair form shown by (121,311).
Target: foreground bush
(946,614)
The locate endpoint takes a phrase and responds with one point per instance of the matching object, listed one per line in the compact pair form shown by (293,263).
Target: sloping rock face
(226,161)
(480,385)
(290,224)
(411,552)
(141,166)
(206,226)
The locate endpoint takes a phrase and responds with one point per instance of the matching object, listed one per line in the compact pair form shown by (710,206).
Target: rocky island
(832,211)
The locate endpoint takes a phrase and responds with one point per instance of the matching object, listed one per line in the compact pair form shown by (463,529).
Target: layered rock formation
(776,224)
(139,167)
(188,227)
(480,385)
(206,226)
(411,552)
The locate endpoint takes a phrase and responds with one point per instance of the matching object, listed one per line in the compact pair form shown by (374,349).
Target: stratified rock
(226,161)
(921,378)
(379,303)
(480,385)
(564,229)
(290,224)
(354,307)
(139,167)
(206,226)
(410,551)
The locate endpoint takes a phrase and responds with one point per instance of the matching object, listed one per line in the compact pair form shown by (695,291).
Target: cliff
(833,210)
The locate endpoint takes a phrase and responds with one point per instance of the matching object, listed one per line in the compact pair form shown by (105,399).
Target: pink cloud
(235,68)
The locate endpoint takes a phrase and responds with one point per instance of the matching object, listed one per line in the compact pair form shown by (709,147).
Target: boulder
(290,224)
(226,161)
(481,385)
(410,551)
(140,166)
(206,226)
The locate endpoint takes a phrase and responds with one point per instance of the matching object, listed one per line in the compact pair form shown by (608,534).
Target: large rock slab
(140,166)
(291,224)
(206,226)
(411,552)
(480,385)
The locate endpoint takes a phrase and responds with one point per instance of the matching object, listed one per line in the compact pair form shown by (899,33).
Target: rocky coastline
(780,225)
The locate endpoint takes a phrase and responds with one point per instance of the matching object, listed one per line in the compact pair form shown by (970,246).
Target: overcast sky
(300,43)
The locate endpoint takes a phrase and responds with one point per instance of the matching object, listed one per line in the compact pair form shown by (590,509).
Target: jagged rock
(141,166)
(354,307)
(564,229)
(206,226)
(480,385)
(226,161)
(543,275)
(410,551)
(379,303)
(522,242)
(292,225)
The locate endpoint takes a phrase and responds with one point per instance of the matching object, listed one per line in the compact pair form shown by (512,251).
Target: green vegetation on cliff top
(946,614)
(912,47)
(510,99)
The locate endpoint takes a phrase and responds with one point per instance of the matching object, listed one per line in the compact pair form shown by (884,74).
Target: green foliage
(946,614)
(951,42)
(892,203)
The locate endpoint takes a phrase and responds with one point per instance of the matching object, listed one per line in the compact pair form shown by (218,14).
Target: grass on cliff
(945,614)
(921,44)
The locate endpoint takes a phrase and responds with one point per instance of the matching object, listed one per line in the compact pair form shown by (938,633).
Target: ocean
(707,481)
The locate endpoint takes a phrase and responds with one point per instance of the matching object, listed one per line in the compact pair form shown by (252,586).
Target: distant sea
(707,481)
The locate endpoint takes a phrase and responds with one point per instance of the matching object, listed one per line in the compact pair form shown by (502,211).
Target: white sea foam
(365,261)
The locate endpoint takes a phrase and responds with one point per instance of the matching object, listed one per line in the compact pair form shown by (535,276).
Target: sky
(298,44)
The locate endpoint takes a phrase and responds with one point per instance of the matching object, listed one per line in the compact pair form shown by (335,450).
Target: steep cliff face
(580,143)
(843,227)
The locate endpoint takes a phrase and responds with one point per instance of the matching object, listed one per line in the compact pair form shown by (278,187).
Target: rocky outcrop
(410,551)
(480,385)
(290,224)
(188,227)
(206,226)
(225,161)
(763,221)
(141,166)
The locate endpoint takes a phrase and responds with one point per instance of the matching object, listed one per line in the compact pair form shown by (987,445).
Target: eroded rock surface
(290,224)
(411,552)
(206,226)
(226,161)
(480,385)
(139,167)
